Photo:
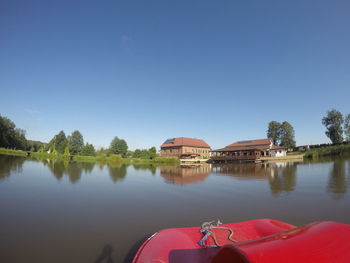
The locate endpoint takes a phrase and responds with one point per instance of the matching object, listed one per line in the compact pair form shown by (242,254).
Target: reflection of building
(183,175)
(281,176)
(245,170)
(248,150)
(185,148)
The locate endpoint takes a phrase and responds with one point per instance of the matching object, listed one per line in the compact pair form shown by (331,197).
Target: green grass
(89,159)
(45,155)
(13,152)
(102,158)
(327,151)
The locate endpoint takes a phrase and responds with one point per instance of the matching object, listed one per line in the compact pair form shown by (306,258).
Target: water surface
(86,212)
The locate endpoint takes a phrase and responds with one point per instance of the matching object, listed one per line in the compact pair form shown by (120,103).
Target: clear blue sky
(150,70)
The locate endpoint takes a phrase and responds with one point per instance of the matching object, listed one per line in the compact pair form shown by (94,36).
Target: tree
(286,133)
(334,122)
(118,146)
(58,143)
(10,136)
(88,150)
(66,153)
(152,152)
(273,132)
(75,142)
(347,127)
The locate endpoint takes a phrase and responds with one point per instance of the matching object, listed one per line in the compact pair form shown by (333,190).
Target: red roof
(261,144)
(182,141)
(275,147)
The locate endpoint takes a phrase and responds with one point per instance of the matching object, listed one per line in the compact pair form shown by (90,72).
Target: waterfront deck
(252,158)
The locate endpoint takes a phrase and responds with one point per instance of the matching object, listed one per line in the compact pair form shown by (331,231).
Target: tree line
(73,144)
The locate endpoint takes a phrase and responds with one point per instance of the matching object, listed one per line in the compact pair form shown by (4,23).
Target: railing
(233,157)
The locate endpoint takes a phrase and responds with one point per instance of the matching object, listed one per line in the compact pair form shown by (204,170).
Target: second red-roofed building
(185,148)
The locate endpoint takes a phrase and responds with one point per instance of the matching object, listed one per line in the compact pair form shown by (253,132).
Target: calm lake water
(83,212)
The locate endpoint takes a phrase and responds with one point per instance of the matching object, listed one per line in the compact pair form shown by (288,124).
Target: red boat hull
(259,241)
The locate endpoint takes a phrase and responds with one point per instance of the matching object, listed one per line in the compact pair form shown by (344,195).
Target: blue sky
(146,71)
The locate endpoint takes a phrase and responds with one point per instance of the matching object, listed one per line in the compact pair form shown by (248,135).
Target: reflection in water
(9,164)
(146,167)
(81,224)
(117,172)
(281,176)
(337,179)
(72,169)
(244,170)
(183,175)
(106,255)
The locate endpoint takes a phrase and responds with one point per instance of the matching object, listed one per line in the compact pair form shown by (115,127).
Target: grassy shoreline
(112,159)
(13,152)
(328,151)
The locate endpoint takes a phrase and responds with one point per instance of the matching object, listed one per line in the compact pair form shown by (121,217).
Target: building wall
(278,153)
(171,152)
(178,151)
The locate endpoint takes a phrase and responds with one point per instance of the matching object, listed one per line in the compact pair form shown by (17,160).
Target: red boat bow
(259,241)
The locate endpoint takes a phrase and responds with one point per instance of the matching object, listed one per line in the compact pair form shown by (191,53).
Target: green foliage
(75,142)
(101,157)
(115,158)
(102,151)
(281,133)
(13,152)
(118,146)
(10,136)
(333,122)
(167,160)
(58,143)
(145,154)
(273,132)
(328,151)
(287,135)
(88,150)
(347,127)
(34,146)
(79,158)
(66,153)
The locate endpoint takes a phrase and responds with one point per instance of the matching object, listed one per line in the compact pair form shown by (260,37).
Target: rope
(206,227)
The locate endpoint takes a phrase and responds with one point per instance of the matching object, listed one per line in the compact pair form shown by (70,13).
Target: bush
(167,160)
(328,151)
(115,158)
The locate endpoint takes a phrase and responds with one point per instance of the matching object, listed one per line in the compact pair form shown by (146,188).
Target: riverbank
(13,152)
(328,151)
(108,159)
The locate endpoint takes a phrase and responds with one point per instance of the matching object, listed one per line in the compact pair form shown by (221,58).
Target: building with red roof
(185,148)
(248,150)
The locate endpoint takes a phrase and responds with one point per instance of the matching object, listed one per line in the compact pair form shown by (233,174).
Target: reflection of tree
(57,168)
(283,179)
(337,179)
(146,167)
(117,172)
(74,171)
(9,164)
(87,167)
